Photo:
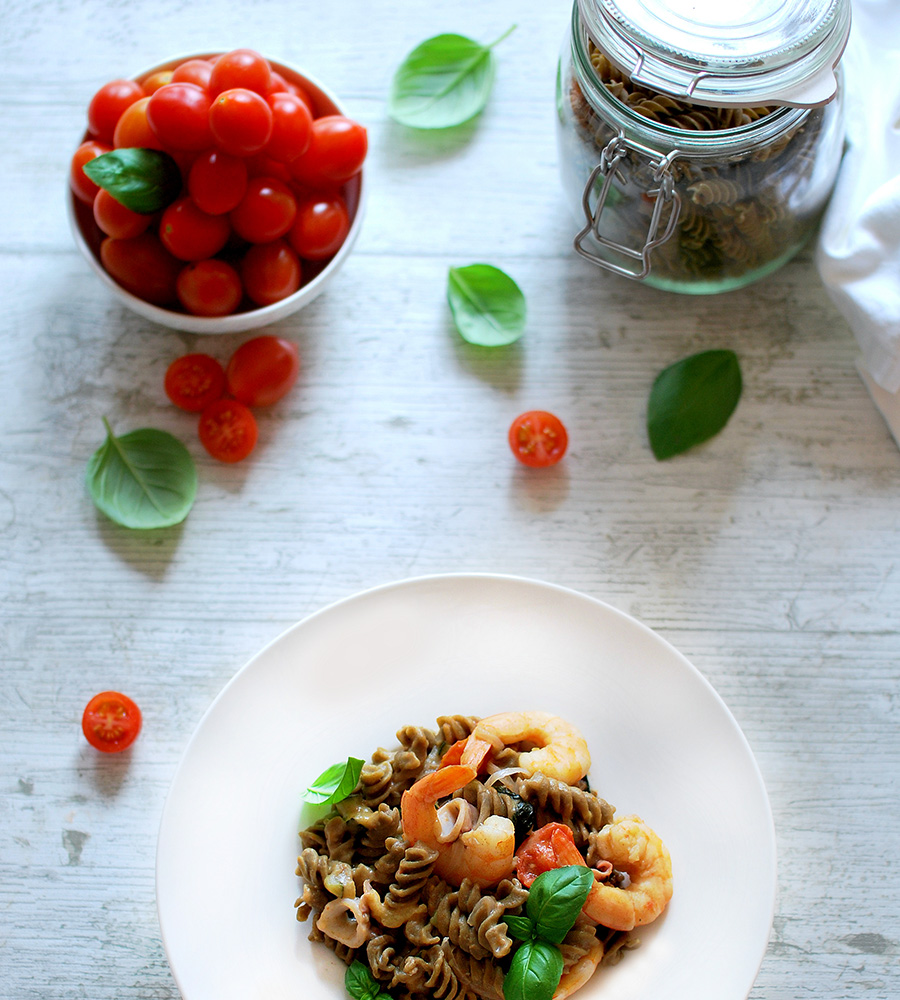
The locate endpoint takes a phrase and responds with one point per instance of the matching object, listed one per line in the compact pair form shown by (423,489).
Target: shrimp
(580,972)
(482,853)
(631,847)
(561,753)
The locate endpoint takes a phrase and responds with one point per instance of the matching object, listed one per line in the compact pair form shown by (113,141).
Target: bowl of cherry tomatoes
(217,192)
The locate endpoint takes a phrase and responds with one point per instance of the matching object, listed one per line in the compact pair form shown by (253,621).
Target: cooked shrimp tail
(560,752)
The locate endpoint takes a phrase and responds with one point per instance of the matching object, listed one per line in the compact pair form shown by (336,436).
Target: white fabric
(859,245)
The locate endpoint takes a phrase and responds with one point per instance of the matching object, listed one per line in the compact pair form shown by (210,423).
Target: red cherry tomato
(281,86)
(217,182)
(270,272)
(321,226)
(191,234)
(179,115)
(209,288)
(291,127)
(107,105)
(193,381)
(111,721)
(266,212)
(336,151)
(117,220)
(133,130)
(241,121)
(193,71)
(538,438)
(82,186)
(262,370)
(228,430)
(241,68)
(142,266)
(156,80)
(550,846)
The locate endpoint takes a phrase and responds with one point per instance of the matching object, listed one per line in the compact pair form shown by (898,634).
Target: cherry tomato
(209,288)
(107,105)
(538,438)
(241,68)
(179,115)
(193,381)
(266,212)
(270,272)
(82,186)
(281,86)
(117,220)
(189,233)
(133,129)
(261,165)
(193,71)
(241,121)
(217,182)
(262,370)
(321,226)
(550,846)
(228,430)
(111,721)
(336,151)
(142,266)
(156,80)
(291,127)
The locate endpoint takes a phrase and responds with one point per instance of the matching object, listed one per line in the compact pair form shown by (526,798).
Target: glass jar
(699,141)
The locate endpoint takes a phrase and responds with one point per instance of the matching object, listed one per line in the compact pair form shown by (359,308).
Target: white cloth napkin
(858,254)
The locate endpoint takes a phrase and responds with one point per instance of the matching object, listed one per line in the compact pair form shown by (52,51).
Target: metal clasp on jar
(661,195)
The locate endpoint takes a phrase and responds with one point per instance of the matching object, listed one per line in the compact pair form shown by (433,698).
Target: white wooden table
(769,556)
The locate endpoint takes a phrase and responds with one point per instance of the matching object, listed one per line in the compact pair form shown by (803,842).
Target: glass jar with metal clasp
(699,140)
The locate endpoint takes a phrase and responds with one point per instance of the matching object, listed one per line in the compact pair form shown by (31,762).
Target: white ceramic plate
(344,680)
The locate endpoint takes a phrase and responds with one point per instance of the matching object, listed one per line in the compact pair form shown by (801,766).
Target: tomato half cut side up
(228,430)
(538,438)
(111,721)
(193,381)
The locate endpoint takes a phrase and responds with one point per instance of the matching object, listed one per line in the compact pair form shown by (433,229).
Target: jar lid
(725,52)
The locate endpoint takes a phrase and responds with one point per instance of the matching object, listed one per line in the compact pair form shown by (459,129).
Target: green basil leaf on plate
(144,180)
(488,306)
(335,783)
(360,983)
(143,479)
(692,400)
(555,899)
(534,971)
(520,927)
(444,81)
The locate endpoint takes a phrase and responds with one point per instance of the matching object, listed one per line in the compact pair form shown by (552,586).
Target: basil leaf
(360,983)
(520,927)
(692,400)
(488,306)
(534,972)
(335,783)
(144,180)
(555,899)
(444,81)
(144,479)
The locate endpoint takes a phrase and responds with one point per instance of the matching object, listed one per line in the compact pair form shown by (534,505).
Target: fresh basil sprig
(360,983)
(144,180)
(444,81)
(692,400)
(144,479)
(488,306)
(335,783)
(554,901)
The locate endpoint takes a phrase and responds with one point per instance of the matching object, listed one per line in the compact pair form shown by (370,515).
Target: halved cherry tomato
(241,68)
(142,266)
(270,272)
(209,288)
(550,846)
(107,105)
(193,381)
(538,438)
(111,721)
(117,220)
(191,234)
(228,430)
(262,370)
(321,226)
(82,186)
(241,121)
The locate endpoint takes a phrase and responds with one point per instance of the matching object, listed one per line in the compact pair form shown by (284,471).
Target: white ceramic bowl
(88,237)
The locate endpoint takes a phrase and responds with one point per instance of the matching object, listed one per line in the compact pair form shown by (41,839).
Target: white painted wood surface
(768,556)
